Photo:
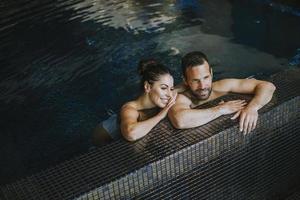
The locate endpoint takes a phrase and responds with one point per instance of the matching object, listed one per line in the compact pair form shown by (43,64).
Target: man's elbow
(271,87)
(178,122)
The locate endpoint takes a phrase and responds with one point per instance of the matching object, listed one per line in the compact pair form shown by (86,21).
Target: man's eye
(163,88)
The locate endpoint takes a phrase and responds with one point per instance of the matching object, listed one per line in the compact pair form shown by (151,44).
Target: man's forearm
(189,118)
(263,94)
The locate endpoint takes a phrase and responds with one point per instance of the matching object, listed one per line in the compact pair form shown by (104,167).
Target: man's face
(199,80)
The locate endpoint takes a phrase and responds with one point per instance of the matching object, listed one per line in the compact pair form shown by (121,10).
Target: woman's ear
(147,87)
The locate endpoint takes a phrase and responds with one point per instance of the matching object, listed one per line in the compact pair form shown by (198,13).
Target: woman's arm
(132,129)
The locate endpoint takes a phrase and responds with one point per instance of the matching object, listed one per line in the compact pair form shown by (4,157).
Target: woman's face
(161,90)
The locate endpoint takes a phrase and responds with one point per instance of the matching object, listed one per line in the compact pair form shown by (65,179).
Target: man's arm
(182,116)
(262,90)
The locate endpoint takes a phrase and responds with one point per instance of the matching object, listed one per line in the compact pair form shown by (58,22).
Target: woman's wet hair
(150,70)
(192,59)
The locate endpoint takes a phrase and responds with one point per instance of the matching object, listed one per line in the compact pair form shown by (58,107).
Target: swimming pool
(66,64)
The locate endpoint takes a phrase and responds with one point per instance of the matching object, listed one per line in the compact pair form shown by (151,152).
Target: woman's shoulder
(131,105)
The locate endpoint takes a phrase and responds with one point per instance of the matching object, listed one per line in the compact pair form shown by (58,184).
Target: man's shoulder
(183,96)
(180,88)
(224,85)
(182,101)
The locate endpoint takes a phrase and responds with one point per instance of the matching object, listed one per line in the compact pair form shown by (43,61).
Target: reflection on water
(65,64)
(130,15)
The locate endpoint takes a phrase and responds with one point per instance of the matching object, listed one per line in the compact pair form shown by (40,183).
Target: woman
(139,116)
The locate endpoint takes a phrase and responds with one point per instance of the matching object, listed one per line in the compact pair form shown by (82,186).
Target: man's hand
(248,119)
(230,107)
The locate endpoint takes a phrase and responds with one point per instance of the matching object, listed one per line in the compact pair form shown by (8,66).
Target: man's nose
(201,85)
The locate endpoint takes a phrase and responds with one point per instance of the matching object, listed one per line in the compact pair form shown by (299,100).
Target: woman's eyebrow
(164,85)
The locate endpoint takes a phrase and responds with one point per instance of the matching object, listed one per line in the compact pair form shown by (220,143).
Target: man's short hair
(192,59)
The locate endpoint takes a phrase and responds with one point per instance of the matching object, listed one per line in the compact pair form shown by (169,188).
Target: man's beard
(202,94)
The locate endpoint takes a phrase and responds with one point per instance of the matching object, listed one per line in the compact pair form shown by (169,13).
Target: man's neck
(196,102)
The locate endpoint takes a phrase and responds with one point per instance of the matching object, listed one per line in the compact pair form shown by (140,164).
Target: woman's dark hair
(192,59)
(150,70)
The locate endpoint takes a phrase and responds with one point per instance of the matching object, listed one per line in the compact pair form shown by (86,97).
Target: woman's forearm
(140,129)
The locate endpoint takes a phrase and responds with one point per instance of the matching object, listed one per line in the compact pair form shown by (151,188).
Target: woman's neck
(145,102)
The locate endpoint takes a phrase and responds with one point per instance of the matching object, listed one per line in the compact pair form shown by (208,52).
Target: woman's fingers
(172,100)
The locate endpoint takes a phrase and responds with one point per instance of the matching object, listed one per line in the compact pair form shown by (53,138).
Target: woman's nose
(169,93)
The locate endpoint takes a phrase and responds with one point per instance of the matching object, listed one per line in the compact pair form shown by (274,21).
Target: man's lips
(203,91)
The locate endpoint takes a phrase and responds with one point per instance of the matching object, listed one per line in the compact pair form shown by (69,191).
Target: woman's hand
(163,113)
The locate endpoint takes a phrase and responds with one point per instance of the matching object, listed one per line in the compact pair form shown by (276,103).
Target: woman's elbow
(129,135)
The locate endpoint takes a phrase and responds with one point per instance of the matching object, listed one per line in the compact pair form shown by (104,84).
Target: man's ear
(211,72)
(184,81)
(147,87)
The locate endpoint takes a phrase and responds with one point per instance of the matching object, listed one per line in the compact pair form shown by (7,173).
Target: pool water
(65,65)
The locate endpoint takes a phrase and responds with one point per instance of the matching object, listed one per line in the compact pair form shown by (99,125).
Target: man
(199,88)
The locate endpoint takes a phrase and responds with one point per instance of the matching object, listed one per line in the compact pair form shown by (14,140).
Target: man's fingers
(255,123)
(221,102)
(242,118)
(243,104)
(236,115)
(250,125)
(246,125)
